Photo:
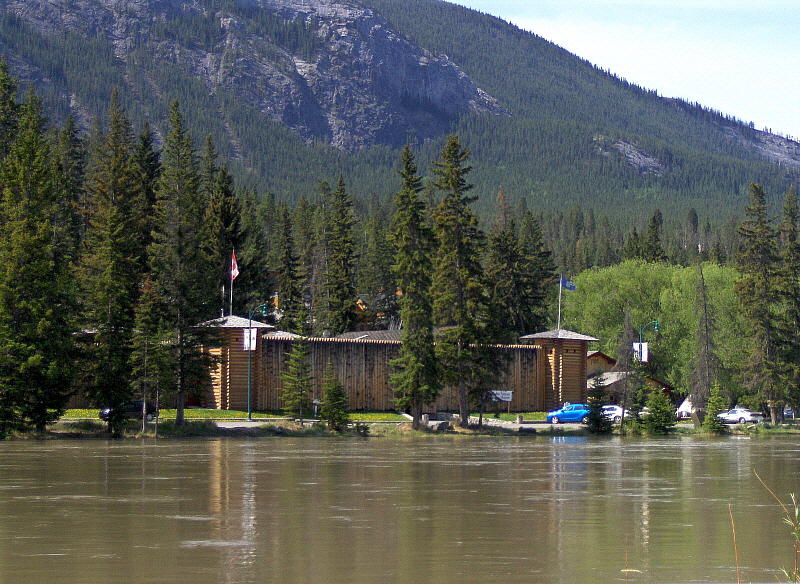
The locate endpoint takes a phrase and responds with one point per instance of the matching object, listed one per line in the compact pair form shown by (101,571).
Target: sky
(740,57)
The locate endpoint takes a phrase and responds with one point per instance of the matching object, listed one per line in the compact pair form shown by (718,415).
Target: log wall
(362,366)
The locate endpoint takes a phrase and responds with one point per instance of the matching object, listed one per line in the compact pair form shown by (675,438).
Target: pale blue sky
(741,57)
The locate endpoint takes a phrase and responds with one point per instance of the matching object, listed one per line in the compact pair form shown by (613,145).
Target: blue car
(569,413)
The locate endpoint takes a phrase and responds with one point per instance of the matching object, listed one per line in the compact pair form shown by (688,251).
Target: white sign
(640,352)
(250,339)
(504,396)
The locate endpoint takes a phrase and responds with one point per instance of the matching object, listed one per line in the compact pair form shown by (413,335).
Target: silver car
(740,416)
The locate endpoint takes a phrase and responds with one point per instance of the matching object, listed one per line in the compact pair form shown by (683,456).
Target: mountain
(295,91)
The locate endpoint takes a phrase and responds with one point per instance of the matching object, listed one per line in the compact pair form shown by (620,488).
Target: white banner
(503,396)
(640,352)
(250,339)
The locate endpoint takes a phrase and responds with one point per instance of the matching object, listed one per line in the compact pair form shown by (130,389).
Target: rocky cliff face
(333,71)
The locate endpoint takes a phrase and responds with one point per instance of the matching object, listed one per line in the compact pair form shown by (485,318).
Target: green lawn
(209,414)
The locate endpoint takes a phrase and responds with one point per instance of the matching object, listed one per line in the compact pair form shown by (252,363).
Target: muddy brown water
(494,510)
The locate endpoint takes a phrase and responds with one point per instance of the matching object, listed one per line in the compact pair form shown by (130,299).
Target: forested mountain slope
(295,91)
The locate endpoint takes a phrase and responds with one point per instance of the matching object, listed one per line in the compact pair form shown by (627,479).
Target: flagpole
(230,307)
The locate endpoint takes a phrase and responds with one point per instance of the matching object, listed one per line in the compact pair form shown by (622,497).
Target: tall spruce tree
(516,269)
(706,365)
(70,149)
(222,231)
(36,287)
(290,297)
(182,273)
(460,305)
(339,299)
(758,296)
(415,378)
(652,250)
(110,266)
(9,109)
(541,272)
(789,291)
(146,163)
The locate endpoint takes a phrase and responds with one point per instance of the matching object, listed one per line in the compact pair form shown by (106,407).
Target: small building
(229,376)
(563,366)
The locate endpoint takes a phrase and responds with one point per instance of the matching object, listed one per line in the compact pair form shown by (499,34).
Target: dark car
(133,410)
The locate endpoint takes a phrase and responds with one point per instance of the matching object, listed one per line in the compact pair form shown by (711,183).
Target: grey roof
(233,321)
(393,335)
(283,335)
(560,334)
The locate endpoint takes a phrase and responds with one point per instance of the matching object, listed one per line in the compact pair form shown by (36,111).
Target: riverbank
(86,429)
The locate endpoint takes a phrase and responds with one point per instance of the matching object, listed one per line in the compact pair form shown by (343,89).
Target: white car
(613,413)
(740,416)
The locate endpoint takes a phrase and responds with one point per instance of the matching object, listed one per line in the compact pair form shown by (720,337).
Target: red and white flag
(234,266)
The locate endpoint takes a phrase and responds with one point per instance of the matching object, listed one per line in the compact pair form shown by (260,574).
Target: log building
(543,370)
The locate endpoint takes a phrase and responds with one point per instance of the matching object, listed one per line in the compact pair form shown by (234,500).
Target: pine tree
(538,265)
(376,282)
(146,165)
(333,409)
(758,297)
(36,287)
(661,419)
(415,378)
(716,404)
(596,421)
(297,380)
(706,365)
(9,109)
(70,149)
(338,313)
(652,250)
(181,271)
(789,291)
(110,265)
(460,305)
(626,364)
(289,286)
(222,231)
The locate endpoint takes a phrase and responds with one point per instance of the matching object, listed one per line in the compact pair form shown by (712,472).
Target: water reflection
(496,510)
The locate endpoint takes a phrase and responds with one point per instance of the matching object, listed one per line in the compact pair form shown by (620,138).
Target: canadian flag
(234,266)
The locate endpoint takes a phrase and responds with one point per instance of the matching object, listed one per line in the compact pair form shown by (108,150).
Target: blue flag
(567,284)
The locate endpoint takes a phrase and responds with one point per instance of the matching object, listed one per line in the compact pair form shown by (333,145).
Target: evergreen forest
(116,246)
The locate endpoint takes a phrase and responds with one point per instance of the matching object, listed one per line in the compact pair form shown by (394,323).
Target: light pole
(643,328)
(251,346)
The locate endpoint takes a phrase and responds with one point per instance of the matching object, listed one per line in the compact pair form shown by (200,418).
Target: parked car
(612,412)
(569,413)
(740,416)
(133,410)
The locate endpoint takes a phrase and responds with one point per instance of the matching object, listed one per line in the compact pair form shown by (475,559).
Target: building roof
(561,334)
(393,335)
(233,321)
(283,335)
(591,354)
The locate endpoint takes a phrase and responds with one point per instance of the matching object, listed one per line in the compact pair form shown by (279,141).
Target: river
(439,510)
